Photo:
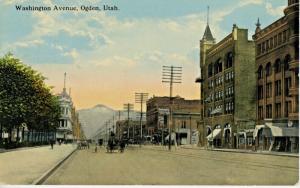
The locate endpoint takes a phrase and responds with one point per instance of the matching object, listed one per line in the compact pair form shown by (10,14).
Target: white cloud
(73,53)
(115,61)
(274,11)
(27,44)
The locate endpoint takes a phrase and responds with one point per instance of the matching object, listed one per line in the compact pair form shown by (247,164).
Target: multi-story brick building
(277,68)
(185,116)
(227,89)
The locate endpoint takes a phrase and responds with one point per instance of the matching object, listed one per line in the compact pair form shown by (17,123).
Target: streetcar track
(257,164)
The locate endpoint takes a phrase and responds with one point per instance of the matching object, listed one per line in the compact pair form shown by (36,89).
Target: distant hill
(93,119)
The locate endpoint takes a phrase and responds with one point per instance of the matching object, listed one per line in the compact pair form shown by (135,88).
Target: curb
(46,175)
(261,153)
(21,148)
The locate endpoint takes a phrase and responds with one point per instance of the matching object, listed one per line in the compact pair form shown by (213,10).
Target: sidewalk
(24,166)
(243,151)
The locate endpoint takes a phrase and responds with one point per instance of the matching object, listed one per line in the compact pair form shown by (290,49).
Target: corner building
(228,89)
(277,68)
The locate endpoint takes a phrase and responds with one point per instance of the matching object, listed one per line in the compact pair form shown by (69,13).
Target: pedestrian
(96,147)
(122,146)
(51,143)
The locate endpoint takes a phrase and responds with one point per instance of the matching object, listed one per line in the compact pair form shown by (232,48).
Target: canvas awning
(214,134)
(173,136)
(257,128)
(283,131)
(216,111)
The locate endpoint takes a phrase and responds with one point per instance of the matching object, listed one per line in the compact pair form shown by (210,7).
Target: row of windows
(229,76)
(215,68)
(218,95)
(277,67)
(278,88)
(277,114)
(229,91)
(64,110)
(219,80)
(63,123)
(272,42)
(229,107)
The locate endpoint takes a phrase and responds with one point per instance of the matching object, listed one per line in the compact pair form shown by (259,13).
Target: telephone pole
(129,108)
(141,98)
(171,75)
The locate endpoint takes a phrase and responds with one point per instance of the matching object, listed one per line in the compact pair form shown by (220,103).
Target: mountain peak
(102,106)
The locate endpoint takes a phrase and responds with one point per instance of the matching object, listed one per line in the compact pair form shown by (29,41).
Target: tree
(24,98)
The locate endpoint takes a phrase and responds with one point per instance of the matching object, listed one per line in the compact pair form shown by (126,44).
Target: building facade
(64,132)
(277,68)
(185,119)
(227,89)
(129,129)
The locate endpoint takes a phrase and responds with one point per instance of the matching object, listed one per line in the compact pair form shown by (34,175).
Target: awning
(216,111)
(283,131)
(257,128)
(173,136)
(224,131)
(214,134)
(69,137)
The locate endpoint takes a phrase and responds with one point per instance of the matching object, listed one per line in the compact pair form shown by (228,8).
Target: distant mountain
(93,119)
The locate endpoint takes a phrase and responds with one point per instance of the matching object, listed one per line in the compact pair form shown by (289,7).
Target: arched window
(229,60)
(218,66)
(268,69)
(277,66)
(287,59)
(260,72)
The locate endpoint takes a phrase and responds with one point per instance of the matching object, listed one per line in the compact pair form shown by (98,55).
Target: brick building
(277,68)
(186,117)
(227,89)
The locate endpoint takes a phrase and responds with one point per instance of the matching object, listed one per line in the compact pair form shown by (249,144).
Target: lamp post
(171,75)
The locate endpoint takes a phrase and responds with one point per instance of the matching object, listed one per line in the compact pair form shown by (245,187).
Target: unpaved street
(157,166)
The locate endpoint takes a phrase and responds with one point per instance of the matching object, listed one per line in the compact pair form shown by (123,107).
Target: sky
(110,55)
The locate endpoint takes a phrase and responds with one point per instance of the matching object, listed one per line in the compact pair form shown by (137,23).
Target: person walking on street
(51,143)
